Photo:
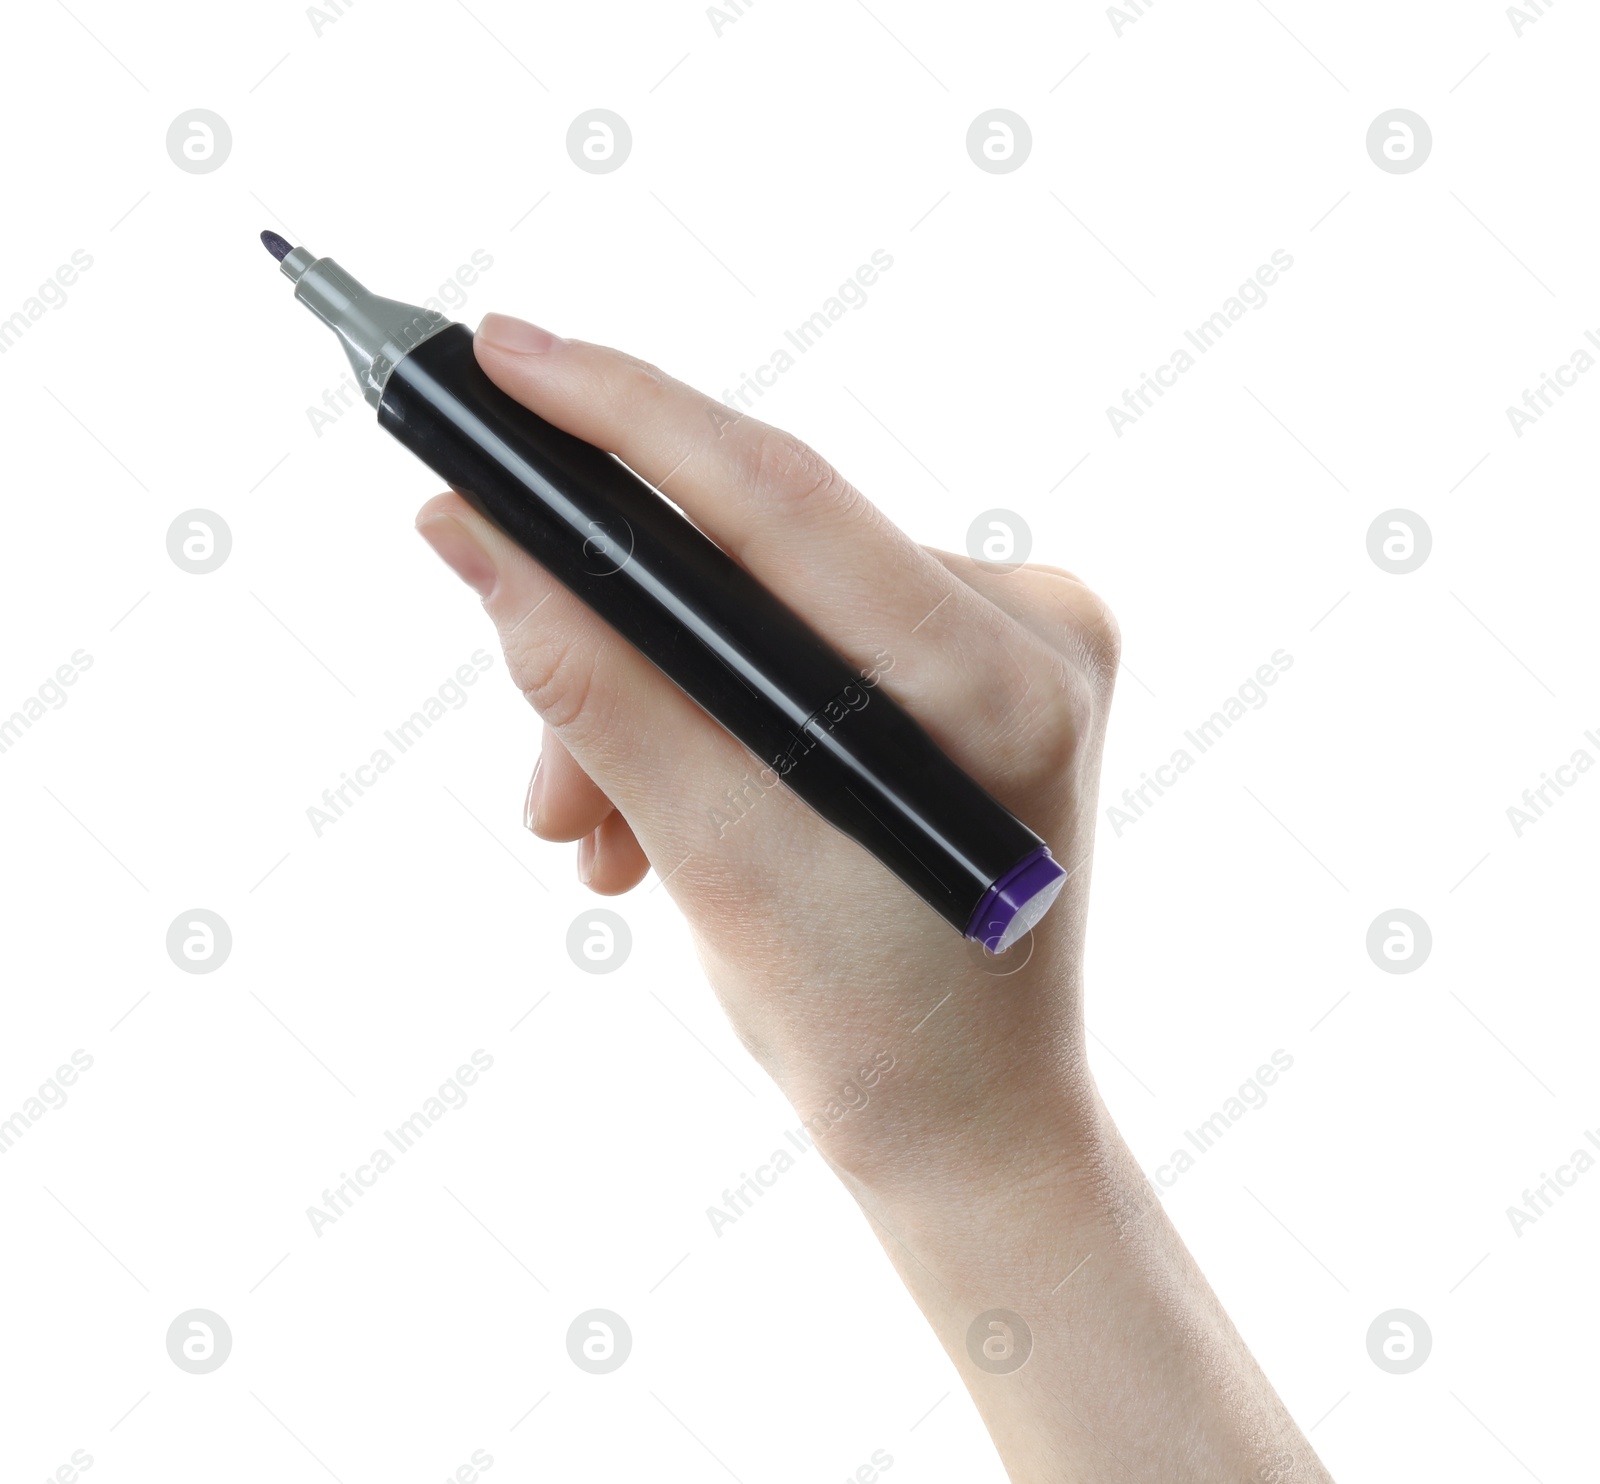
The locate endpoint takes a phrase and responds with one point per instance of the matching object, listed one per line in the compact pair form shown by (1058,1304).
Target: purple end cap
(1017,901)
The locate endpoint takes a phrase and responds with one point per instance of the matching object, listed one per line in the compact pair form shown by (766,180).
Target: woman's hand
(984,1157)
(822,958)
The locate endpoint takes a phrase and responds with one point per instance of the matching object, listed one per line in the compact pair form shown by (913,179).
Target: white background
(768,163)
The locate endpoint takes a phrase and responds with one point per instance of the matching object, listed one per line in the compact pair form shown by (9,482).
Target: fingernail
(516,336)
(530,809)
(461,552)
(587,852)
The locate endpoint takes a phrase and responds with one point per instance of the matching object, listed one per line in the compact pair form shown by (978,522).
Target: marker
(815,721)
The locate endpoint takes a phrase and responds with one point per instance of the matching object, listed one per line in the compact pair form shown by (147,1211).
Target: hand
(983,1155)
(821,957)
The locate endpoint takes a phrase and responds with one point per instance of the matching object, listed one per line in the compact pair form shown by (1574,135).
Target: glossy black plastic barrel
(807,714)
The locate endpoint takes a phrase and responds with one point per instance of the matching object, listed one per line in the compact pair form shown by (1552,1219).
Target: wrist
(996,1158)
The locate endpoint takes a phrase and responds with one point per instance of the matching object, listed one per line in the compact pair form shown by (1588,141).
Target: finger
(610,858)
(779,508)
(564,802)
(623,722)
(664,764)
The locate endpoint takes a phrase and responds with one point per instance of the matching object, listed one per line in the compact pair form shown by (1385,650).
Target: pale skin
(985,1160)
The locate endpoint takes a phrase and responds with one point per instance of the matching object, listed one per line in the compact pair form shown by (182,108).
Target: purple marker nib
(275,245)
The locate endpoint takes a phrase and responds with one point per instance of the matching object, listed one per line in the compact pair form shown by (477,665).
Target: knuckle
(1059,573)
(1034,740)
(641,375)
(603,360)
(1092,635)
(1060,716)
(1102,633)
(556,676)
(628,386)
(790,471)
